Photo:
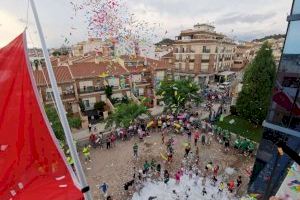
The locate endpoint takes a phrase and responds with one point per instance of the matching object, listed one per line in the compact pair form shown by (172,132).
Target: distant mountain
(275,36)
(166,41)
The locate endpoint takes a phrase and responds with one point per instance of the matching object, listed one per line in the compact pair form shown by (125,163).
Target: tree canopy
(254,99)
(74,122)
(176,94)
(108,91)
(125,114)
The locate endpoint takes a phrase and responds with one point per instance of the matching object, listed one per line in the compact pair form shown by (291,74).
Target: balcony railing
(90,89)
(64,95)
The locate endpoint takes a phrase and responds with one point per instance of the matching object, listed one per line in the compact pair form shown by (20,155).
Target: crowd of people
(168,125)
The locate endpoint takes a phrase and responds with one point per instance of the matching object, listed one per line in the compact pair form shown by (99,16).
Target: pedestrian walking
(113,140)
(226,145)
(231,186)
(216,170)
(187,149)
(190,172)
(221,187)
(146,166)
(203,139)
(204,191)
(86,153)
(238,184)
(177,177)
(108,142)
(214,181)
(90,127)
(71,162)
(196,137)
(104,189)
(162,138)
(135,150)
(166,176)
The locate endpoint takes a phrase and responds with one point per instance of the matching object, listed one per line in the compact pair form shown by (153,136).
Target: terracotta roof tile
(87,70)
(62,75)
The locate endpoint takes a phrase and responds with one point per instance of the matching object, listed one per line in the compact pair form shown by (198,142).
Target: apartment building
(84,79)
(201,52)
(244,54)
(93,46)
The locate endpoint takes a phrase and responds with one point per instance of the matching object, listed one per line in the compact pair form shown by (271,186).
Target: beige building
(277,46)
(83,79)
(244,54)
(200,53)
(91,46)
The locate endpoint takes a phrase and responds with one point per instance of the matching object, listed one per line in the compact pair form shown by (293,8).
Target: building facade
(201,52)
(83,80)
(282,125)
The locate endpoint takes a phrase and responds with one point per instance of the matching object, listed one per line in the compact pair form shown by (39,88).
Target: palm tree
(125,114)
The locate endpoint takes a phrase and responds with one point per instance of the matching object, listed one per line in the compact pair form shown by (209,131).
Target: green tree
(75,122)
(254,99)
(176,94)
(108,91)
(56,53)
(125,114)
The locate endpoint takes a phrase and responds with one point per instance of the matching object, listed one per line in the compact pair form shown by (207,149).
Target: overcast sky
(240,19)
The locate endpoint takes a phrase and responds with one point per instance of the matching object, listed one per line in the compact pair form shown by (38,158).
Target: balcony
(206,51)
(90,89)
(68,96)
(65,95)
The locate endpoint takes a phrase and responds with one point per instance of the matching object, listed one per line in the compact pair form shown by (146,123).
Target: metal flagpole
(61,110)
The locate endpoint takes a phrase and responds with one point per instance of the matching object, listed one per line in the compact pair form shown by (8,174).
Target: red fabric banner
(32,166)
(282,99)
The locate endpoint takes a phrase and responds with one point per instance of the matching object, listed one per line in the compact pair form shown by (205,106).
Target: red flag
(283,99)
(32,165)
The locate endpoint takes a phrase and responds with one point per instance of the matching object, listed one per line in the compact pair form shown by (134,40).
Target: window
(49,93)
(205,58)
(191,66)
(86,85)
(204,67)
(89,102)
(141,91)
(176,65)
(160,75)
(205,49)
(183,66)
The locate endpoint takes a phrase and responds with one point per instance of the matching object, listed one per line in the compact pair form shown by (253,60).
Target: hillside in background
(275,36)
(165,41)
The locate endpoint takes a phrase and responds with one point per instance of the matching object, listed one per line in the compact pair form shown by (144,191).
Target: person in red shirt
(113,139)
(216,170)
(231,186)
(196,137)
(93,139)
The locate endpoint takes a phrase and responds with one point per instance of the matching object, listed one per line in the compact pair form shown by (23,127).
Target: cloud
(248,19)
(244,18)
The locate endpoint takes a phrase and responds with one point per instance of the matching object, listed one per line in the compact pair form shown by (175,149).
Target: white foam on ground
(165,192)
